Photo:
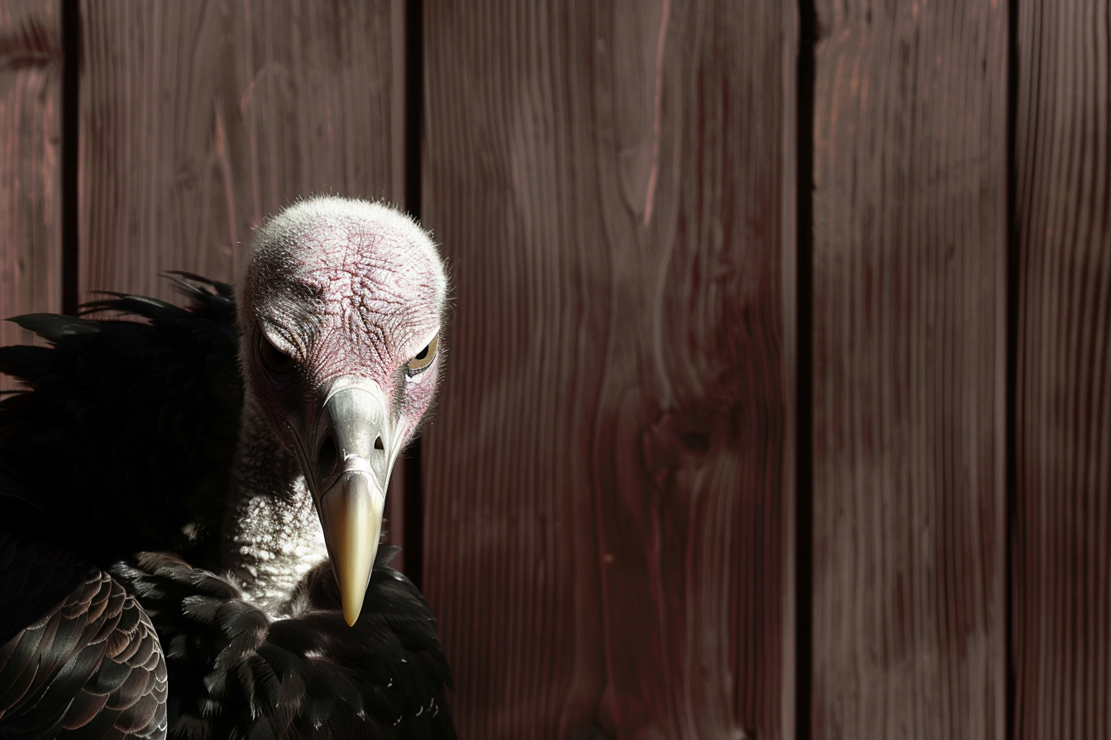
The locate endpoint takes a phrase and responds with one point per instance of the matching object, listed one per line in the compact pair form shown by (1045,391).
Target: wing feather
(90,663)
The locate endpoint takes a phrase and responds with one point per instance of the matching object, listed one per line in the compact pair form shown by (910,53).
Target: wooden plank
(30,184)
(1062,538)
(200,119)
(909,303)
(607,486)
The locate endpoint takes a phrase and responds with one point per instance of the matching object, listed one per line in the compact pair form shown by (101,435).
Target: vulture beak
(348,473)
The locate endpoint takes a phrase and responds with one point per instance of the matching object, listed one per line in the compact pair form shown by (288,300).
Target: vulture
(191,498)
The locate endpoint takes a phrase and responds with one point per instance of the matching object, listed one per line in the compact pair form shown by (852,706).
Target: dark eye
(272,358)
(424,358)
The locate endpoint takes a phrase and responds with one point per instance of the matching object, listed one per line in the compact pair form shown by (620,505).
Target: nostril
(326,457)
(378,444)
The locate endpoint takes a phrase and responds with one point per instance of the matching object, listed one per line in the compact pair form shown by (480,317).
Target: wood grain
(909,372)
(607,487)
(1062,536)
(30,168)
(198,120)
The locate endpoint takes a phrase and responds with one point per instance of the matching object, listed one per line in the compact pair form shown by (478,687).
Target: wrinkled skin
(375,291)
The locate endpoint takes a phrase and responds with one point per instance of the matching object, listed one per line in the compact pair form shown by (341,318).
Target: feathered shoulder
(128,423)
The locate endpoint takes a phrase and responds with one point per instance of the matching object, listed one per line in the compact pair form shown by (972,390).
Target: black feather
(243,673)
(64,670)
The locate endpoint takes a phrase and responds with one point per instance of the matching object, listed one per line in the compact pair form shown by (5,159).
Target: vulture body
(164,570)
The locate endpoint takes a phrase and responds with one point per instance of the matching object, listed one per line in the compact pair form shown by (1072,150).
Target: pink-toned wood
(1062,536)
(198,120)
(30,168)
(608,494)
(909,377)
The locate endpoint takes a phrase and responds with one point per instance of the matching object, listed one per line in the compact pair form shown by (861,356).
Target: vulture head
(340,307)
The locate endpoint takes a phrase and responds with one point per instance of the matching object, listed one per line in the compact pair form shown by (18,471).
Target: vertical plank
(607,503)
(909,370)
(30,168)
(200,119)
(1062,540)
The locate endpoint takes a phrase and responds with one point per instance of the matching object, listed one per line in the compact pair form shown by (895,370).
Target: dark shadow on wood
(1014,253)
(414,98)
(804,422)
(71,99)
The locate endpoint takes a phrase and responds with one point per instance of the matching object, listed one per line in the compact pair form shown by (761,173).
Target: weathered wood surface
(909,302)
(30,168)
(198,120)
(608,514)
(608,484)
(1062,535)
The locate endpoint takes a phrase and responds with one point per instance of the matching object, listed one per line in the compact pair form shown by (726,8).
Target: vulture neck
(272,535)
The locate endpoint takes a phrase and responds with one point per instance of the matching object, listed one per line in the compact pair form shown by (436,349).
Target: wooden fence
(778,402)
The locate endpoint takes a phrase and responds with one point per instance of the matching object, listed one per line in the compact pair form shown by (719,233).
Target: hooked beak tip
(351,516)
(351,611)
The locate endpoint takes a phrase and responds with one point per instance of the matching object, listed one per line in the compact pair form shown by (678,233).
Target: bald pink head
(344,288)
(340,309)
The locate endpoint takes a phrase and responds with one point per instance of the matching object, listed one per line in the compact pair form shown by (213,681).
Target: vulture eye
(273,359)
(423,359)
